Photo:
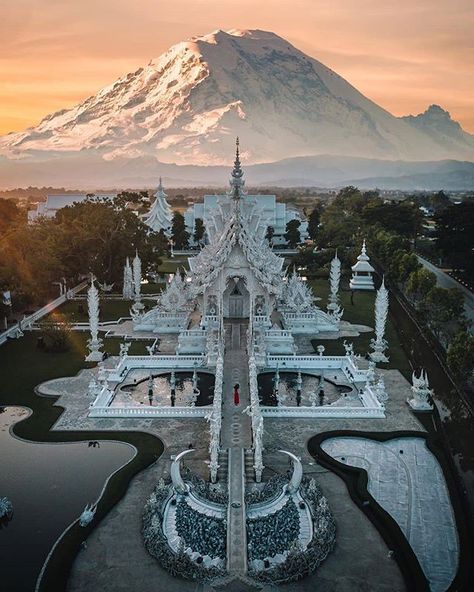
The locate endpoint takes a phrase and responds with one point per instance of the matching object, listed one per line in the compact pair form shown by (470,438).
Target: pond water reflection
(313,391)
(155,390)
(48,485)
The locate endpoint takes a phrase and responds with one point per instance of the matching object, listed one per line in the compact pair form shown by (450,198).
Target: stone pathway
(236,436)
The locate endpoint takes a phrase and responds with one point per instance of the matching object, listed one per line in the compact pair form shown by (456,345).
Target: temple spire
(236,181)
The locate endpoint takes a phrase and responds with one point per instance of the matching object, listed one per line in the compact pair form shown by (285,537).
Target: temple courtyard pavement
(115,558)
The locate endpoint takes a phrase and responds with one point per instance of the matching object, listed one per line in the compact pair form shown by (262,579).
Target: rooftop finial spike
(237,182)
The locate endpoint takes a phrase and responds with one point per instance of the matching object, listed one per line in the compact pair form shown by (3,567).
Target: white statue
(380,391)
(370,376)
(94,343)
(334,280)
(124,347)
(137,282)
(422,394)
(6,508)
(87,515)
(93,388)
(320,349)
(127,281)
(379,344)
(349,347)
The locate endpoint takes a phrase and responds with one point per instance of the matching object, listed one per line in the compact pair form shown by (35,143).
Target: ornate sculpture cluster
(177,564)
(274,533)
(301,562)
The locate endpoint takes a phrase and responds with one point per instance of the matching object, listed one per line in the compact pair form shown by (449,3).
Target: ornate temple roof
(236,225)
(160,215)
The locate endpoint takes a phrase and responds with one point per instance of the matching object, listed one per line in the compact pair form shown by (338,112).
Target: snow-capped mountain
(187,106)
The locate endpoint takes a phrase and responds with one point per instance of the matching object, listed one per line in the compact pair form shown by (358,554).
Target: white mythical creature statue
(87,515)
(349,347)
(6,508)
(421,400)
(124,347)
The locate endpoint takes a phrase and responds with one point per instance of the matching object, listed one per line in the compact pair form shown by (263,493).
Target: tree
(406,264)
(269,234)
(445,310)
(55,337)
(179,234)
(455,235)
(419,283)
(292,234)
(314,220)
(199,230)
(460,356)
(94,236)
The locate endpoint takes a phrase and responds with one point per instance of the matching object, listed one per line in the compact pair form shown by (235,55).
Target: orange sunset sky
(403,54)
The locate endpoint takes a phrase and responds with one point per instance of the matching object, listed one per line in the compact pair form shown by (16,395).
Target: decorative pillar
(334,280)
(94,343)
(137,280)
(127,281)
(379,344)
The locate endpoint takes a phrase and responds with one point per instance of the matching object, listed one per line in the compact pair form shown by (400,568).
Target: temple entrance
(238,300)
(236,306)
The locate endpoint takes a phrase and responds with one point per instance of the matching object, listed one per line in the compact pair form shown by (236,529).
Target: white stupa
(362,272)
(160,215)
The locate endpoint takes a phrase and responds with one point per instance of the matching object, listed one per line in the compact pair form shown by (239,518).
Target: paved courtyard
(115,558)
(406,480)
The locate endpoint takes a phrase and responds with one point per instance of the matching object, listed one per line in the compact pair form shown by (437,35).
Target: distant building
(160,216)
(54,203)
(270,213)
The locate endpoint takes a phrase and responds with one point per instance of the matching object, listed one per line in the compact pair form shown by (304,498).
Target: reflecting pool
(48,485)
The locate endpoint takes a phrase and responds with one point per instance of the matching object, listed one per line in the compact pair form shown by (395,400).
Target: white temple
(239,276)
(160,215)
(362,272)
(263,210)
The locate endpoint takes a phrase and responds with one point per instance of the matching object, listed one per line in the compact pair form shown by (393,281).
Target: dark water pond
(157,391)
(48,485)
(287,391)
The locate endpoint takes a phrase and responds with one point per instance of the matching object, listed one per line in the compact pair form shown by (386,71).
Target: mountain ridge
(187,105)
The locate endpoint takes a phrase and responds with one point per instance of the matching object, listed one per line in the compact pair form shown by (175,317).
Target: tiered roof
(160,215)
(238,228)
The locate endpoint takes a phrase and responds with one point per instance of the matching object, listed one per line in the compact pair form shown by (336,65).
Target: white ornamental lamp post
(379,344)
(137,281)
(127,281)
(94,343)
(334,280)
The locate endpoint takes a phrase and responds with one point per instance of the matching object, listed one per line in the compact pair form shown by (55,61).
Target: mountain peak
(187,105)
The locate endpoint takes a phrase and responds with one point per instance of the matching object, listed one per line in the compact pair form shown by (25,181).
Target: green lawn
(76,310)
(361,313)
(172,264)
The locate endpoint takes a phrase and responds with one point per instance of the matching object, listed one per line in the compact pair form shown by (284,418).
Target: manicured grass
(361,313)
(172,264)
(75,311)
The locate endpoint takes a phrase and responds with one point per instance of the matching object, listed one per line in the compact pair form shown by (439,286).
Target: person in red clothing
(236,394)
